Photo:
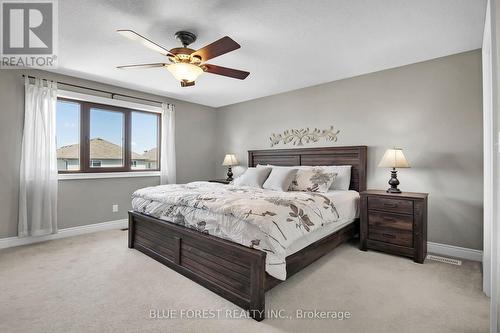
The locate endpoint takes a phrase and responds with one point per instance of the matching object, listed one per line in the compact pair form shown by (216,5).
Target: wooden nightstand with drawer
(394,223)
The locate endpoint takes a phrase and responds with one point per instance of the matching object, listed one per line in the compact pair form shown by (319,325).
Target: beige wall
(84,202)
(431,109)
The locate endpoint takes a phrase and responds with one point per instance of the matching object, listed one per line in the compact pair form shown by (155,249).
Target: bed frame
(231,270)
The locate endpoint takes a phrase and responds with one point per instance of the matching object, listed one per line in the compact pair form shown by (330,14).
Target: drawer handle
(389,219)
(392,205)
(388,236)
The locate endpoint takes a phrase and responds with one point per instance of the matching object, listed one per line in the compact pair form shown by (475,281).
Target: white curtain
(38,169)
(168,172)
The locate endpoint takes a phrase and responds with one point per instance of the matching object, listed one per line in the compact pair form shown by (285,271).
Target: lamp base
(229,174)
(394,182)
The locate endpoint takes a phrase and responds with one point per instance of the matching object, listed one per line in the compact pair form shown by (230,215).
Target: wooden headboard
(350,155)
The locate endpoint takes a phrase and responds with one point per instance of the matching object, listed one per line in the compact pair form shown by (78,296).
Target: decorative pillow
(253,177)
(279,179)
(313,180)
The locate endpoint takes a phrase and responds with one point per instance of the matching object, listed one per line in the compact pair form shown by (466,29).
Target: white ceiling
(285,45)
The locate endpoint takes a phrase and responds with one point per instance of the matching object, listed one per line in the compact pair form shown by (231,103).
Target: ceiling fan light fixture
(187,64)
(185,72)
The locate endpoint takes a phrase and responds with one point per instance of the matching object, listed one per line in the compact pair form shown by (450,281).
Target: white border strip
(455,251)
(108,101)
(100,175)
(63,233)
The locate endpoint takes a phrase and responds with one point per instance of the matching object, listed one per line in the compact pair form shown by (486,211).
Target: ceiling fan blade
(234,73)
(160,64)
(144,41)
(217,48)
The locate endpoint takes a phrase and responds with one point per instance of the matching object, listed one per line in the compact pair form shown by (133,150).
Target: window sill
(101,175)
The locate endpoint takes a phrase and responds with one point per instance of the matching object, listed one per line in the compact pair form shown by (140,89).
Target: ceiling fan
(185,63)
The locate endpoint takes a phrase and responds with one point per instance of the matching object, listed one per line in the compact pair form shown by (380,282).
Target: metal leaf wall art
(304,135)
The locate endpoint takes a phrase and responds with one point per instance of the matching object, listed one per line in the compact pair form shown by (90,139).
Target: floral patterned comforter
(263,219)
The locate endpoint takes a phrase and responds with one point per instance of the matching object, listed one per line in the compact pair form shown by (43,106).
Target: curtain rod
(101,91)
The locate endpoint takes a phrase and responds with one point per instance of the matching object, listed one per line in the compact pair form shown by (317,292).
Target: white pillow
(280,179)
(343,179)
(253,177)
(313,180)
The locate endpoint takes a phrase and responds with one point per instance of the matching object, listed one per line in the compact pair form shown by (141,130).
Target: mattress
(279,223)
(347,203)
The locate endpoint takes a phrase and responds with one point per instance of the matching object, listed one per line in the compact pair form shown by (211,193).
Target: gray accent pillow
(280,179)
(253,177)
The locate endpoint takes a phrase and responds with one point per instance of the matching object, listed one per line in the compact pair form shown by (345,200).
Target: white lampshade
(394,158)
(185,72)
(230,160)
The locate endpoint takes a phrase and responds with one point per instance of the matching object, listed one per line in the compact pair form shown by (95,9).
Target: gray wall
(433,110)
(89,201)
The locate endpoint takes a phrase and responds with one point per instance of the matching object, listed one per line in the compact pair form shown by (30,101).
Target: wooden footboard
(232,271)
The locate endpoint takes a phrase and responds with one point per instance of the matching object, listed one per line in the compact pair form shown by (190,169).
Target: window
(144,141)
(107,138)
(68,136)
(102,138)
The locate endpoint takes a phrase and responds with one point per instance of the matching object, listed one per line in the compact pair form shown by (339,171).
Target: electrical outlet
(115,208)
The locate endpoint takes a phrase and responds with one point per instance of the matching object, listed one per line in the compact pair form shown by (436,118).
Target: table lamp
(394,158)
(229,161)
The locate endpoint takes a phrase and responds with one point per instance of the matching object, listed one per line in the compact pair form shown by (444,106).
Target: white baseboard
(63,233)
(455,251)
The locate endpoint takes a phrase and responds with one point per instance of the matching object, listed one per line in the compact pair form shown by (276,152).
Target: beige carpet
(94,283)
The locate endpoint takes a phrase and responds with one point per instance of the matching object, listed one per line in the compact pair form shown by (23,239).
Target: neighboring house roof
(151,155)
(100,150)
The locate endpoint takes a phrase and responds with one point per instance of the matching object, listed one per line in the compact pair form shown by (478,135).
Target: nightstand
(394,223)
(222,181)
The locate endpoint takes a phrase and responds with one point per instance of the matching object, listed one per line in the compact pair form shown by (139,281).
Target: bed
(236,272)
